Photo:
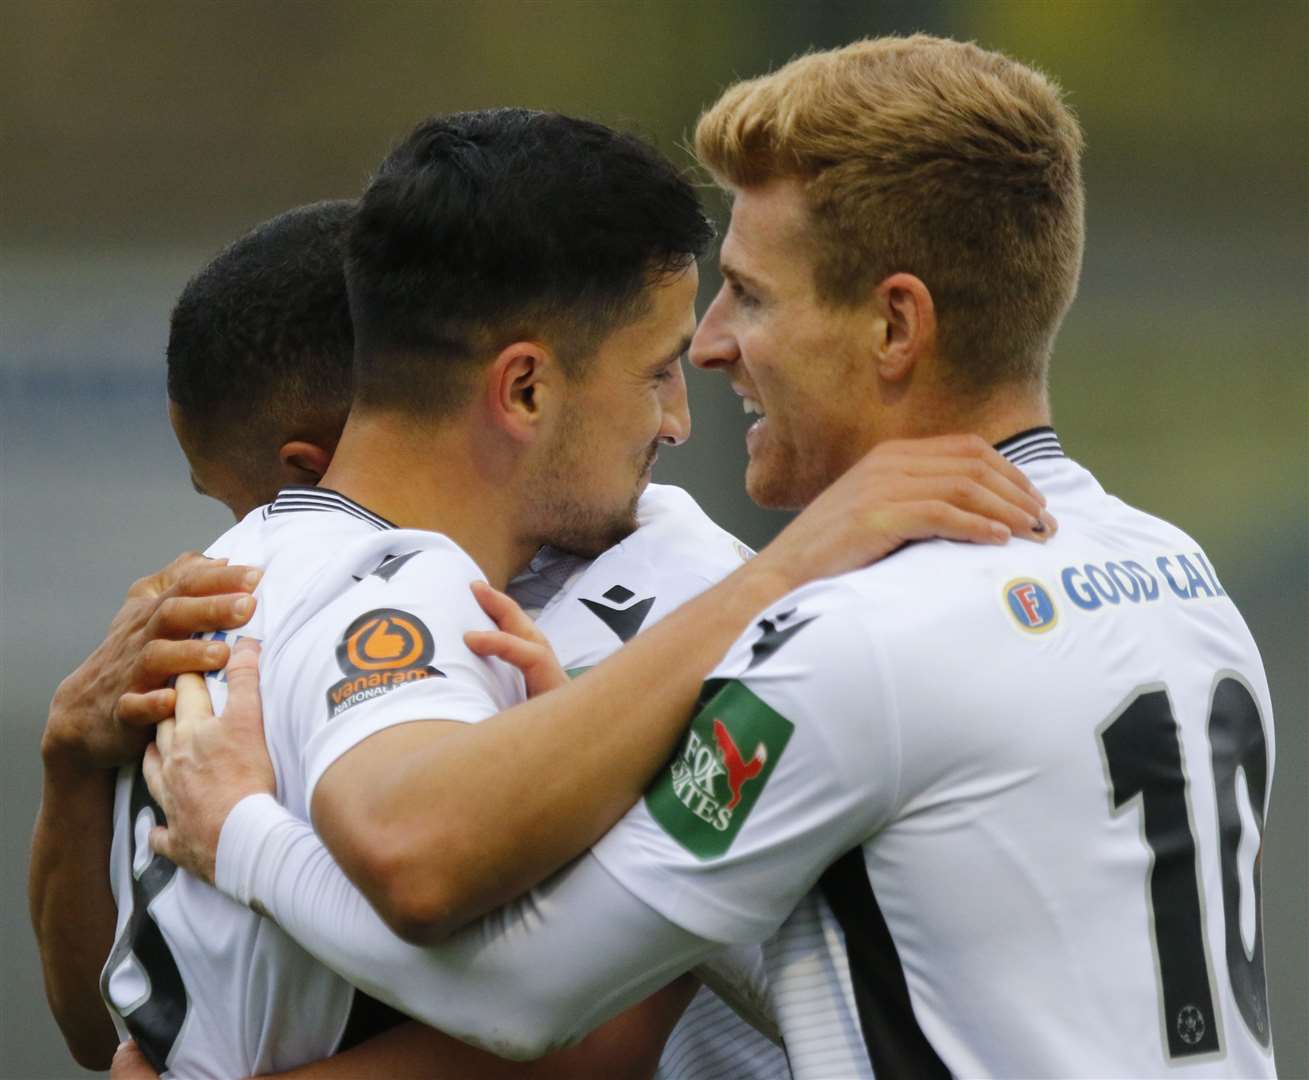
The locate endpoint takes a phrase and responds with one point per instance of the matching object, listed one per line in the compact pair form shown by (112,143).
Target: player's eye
(742,295)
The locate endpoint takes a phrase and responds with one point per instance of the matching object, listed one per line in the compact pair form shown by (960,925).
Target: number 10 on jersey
(1143,759)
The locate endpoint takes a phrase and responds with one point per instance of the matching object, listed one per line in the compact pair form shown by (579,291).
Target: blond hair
(931,157)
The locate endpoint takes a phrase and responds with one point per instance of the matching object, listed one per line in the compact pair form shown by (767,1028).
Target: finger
(937,518)
(504,611)
(983,471)
(161,660)
(130,1064)
(537,662)
(161,841)
(966,446)
(193,704)
(182,616)
(165,731)
(161,581)
(145,710)
(152,771)
(975,497)
(507,647)
(244,706)
(214,578)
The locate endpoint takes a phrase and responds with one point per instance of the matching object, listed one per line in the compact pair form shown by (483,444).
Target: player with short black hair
(260,351)
(482,224)
(260,344)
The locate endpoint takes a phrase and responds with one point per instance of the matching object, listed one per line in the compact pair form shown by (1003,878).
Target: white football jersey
(206,987)
(1026,784)
(588,610)
(209,989)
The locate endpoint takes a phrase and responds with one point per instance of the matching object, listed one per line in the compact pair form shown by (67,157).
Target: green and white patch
(721,768)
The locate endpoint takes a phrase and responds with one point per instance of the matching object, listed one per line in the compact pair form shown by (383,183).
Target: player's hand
(101,713)
(130,1064)
(957,487)
(517,641)
(201,765)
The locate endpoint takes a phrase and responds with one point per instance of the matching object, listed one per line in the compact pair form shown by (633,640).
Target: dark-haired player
(513,384)
(1028,781)
(259,384)
(260,343)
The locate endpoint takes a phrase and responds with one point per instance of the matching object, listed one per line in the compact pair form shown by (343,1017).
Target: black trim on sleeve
(896,1045)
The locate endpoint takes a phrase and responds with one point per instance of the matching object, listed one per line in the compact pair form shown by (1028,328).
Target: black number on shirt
(1143,752)
(1236,739)
(155,1021)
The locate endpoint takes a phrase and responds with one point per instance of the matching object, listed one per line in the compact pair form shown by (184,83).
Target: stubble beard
(574,524)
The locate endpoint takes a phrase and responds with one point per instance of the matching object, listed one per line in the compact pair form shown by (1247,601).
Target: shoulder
(673,528)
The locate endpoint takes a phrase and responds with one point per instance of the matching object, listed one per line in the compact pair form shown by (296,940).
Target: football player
(260,343)
(590,410)
(996,810)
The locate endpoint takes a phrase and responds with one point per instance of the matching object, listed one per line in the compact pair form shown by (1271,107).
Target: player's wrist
(241,841)
(65,753)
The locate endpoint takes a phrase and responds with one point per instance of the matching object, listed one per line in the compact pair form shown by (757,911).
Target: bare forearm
(473,818)
(626,1048)
(71,904)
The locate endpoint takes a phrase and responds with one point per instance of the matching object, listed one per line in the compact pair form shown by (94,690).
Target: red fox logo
(738,769)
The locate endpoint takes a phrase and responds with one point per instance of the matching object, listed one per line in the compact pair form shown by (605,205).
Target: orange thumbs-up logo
(387,640)
(380,651)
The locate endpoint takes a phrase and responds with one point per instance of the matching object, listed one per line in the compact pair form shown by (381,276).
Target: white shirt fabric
(588,610)
(964,745)
(329,562)
(1027,781)
(207,988)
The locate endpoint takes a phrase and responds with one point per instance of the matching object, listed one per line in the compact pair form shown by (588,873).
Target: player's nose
(675,422)
(714,344)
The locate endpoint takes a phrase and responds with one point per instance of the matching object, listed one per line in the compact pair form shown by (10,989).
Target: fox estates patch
(708,790)
(382,649)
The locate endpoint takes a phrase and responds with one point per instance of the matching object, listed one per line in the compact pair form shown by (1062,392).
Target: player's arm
(626,1048)
(88,734)
(523,982)
(439,823)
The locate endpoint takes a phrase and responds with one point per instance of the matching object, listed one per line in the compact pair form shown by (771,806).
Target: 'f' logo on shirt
(1030,604)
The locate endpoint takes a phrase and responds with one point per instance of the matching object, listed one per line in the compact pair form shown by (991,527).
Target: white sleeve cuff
(247,833)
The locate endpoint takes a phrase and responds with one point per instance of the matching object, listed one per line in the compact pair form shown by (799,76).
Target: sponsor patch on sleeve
(721,768)
(382,649)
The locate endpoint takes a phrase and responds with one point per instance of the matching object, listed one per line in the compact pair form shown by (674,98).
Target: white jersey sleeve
(520,982)
(389,651)
(791,759)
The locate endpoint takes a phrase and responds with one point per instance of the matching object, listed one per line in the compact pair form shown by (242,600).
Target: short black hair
(485,227)
(260,340)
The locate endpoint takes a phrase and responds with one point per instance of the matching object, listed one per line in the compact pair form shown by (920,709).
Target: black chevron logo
(388,567)
(774,636)
(625,622)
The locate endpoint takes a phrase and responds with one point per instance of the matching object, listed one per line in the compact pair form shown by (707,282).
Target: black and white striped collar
(298,498)
(1034,444)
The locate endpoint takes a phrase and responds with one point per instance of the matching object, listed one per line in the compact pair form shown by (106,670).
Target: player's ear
(520,386)
(905,325)
(304,462)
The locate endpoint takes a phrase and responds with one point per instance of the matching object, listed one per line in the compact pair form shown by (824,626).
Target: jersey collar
(300,498)
(1034,444)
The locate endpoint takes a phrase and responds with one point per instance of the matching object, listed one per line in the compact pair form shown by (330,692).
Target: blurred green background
(138,138)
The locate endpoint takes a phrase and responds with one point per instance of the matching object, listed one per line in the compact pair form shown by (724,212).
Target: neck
(433,476)
(1004,413)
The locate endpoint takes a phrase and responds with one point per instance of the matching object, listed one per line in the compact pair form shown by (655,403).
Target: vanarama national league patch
(382,649)
(718,773)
